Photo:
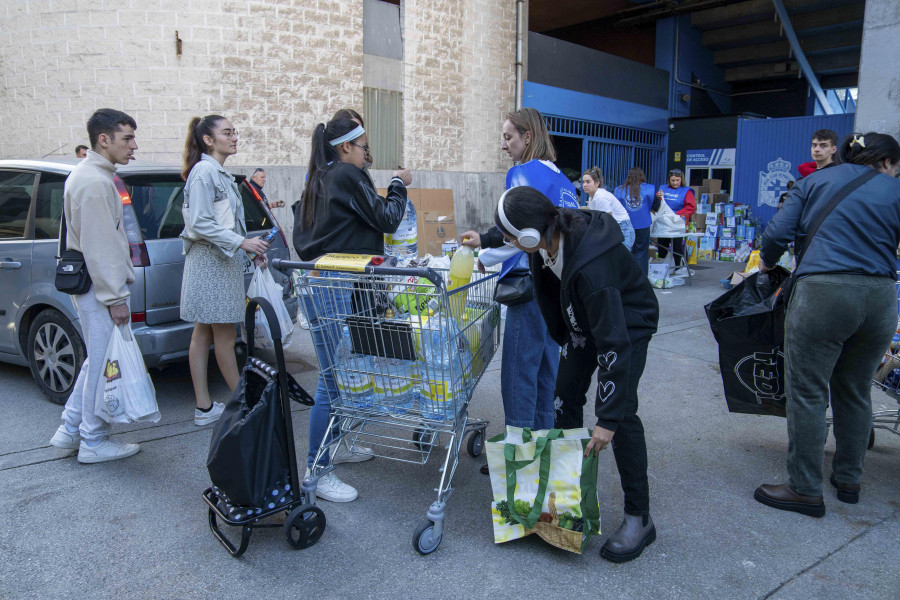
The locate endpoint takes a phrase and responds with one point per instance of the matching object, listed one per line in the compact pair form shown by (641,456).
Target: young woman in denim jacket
(215,241)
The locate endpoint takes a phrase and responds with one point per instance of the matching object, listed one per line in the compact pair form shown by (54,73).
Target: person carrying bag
(125,393)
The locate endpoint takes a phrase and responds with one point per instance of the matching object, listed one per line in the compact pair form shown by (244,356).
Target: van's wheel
(55,354)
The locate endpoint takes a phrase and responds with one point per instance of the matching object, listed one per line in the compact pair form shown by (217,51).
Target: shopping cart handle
(428,273)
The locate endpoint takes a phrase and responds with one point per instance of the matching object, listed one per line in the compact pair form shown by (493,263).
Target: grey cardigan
(212,208)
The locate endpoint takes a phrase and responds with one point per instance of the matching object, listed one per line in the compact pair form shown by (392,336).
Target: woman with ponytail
(600,308)
(215,242)
(841,314)
(339,211)
(530,356)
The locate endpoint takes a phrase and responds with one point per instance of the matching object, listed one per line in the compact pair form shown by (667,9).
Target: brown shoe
(846,492)
(783,498)
(484,470)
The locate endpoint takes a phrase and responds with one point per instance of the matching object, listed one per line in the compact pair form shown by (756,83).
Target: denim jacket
(213,210)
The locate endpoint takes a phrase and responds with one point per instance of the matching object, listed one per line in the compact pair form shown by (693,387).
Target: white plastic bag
(667,223)
(125,393)
(264,286)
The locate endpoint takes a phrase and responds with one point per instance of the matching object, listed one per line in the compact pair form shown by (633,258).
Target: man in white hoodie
(93,213)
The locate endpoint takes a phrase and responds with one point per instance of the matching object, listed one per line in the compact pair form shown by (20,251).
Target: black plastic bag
(748,324)
(248,449)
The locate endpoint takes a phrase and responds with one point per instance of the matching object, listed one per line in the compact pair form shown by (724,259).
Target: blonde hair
(530,120)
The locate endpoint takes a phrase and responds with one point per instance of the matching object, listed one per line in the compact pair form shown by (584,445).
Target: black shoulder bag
(72,276)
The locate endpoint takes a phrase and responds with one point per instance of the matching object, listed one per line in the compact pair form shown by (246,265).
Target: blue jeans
(628,231)
(320,305)
(641,249)
(528,368)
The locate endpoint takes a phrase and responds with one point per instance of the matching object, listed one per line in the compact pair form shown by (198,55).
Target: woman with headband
(681,200)
(599,306)
(215,242)
(530,356)
(339,211)
(841,314)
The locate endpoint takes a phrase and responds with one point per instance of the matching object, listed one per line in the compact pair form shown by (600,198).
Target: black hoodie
(603,294)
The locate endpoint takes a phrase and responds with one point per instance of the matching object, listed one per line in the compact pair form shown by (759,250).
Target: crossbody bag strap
(63,233)
(823,214)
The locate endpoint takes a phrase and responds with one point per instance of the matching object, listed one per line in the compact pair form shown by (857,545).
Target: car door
(16,193)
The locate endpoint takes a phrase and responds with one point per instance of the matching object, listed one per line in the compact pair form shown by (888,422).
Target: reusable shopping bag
(543,484)
(247,457)
(748,324)
(125,393)
(263,286)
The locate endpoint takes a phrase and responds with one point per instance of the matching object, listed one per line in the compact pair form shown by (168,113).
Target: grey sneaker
(106,450)
(211,416)
(65,440)
(330,488)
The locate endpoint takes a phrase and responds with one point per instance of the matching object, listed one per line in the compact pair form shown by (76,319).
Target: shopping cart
(260,386)
(887,379)
(405,355)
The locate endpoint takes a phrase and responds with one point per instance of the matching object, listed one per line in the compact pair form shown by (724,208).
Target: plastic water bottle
(442,371)
(353,374)
(403,242)
(394,385)
(461,266)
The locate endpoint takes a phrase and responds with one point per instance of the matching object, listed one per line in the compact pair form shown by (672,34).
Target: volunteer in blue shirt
(530,356)
(681,200)
(638,198)
(841,316)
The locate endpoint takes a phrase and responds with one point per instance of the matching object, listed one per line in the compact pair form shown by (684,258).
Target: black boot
(629,541)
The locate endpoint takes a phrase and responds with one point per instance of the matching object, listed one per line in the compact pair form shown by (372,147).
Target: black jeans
(576,368)
(641,248)
(677,244)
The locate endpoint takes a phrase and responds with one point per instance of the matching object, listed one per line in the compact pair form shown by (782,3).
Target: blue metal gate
(614,148)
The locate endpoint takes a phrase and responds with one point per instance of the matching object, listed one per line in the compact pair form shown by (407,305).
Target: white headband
(352,135)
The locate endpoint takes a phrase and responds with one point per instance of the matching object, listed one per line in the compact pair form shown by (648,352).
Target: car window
(254,214)
(157,200)
(48,206)
(15,201)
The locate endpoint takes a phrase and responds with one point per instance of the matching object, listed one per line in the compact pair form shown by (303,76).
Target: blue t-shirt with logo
(546,178)
(638,208)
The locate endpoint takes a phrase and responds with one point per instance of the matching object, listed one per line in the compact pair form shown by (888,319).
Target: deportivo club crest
(773,184)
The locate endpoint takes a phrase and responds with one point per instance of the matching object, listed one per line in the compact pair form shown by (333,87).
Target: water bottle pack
(444,353)
(395,385)
(353,374)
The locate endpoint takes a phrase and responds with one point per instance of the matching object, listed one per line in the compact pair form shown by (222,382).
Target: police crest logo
(111,371)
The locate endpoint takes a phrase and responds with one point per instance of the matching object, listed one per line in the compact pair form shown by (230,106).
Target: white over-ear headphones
(528,237)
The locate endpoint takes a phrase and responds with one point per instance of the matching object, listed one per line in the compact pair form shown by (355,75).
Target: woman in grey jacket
(212,287)
(841,316)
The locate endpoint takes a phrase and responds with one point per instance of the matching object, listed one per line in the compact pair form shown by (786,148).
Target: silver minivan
(39,326)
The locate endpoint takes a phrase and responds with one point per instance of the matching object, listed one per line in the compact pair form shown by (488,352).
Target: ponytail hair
(527,208)
(194,145)
(871,149)
(596,174)
(321,157)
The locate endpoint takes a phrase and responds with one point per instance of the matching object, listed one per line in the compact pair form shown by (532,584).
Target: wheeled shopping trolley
(403,355)
(267,435)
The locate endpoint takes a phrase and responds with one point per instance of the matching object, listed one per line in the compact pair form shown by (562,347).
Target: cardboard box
(726,233)
(740,232)
(713,185)
(719,198)
(712,231)
(711,219)
(699,190)
(703,208)
(699,222)
(731,222)
(435,218)
(751,233)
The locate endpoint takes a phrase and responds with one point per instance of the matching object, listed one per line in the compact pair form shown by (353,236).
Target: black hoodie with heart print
(603,295)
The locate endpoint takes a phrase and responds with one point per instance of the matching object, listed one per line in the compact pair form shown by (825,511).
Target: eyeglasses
(365,148)
(676,172)
(229,133)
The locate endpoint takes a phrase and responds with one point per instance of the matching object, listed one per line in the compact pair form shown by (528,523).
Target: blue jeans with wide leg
(528,368)
(320,306)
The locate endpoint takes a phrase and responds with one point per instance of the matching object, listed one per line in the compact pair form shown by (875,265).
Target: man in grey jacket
(93,213)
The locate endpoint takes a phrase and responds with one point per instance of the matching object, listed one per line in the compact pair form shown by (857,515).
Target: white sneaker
(65,440)
(211,416)
(301,318)
(342,454)
(106,450)
(330,488)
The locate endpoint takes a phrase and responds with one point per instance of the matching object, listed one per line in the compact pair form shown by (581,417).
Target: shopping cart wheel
(871,439)
(424,540)
(475,445)
(304,526)
(423,439)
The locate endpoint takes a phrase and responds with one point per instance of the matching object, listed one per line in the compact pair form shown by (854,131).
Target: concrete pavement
(137,528)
